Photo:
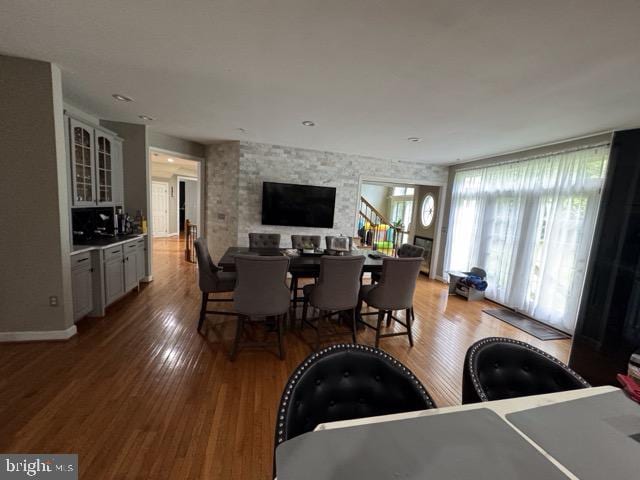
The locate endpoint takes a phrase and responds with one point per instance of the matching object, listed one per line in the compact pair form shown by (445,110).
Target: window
(426,215)
(529,224)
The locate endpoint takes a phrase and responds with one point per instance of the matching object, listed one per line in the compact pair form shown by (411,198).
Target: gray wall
(34,257)
(175,144)
(236,170)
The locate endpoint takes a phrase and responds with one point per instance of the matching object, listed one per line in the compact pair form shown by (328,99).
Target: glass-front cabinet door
(82,163)
(104,167)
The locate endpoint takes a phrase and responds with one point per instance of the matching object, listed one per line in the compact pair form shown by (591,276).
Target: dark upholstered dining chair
(336,291)
(344,382)
(261,291)
(497,368)
(329,238)
(211,280)
(406,250)
(393,292)
(264,240)
(298,242)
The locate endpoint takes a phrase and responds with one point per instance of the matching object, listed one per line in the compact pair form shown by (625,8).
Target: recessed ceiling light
(414,139)
(145,117)
(122,98)
(308,123)
(170,160)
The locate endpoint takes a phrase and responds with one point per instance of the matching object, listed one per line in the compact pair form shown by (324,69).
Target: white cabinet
(81,141)
(82,285)
(140,258)
(117,176)
(113,274)
(95,157)
(104,167)
(130,265)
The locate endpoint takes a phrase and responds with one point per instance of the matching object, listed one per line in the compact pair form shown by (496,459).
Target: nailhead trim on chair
(473,350)
(331,349)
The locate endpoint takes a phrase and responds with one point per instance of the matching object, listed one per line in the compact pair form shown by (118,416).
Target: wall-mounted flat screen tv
(297,205)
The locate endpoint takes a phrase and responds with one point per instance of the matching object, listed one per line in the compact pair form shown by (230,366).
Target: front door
(160,206)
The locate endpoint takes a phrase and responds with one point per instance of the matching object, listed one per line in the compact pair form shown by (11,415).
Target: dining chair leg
(281,320)
(294,291)
(353,325)
(389,315)
(305,307)
(408,316)
(380,320)
(236,341)
(203,309)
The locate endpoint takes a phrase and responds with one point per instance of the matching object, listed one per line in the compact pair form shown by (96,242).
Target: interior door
(160,208)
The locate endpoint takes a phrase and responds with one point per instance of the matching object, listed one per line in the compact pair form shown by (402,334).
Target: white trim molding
(47,335)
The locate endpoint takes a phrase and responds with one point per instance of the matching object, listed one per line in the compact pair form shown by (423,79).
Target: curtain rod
(539,155)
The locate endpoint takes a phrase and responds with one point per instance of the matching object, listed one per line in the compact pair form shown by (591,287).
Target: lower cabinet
(130,265)
(113,278)
(140,264)
(82,285)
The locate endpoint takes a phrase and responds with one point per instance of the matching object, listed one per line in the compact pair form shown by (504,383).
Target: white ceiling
(472,77)
(161,166)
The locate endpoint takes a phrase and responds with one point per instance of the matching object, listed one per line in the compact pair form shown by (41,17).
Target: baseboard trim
(147,279)
(441,278)
(38,336)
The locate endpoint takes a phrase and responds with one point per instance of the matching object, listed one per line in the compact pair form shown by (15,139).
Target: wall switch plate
(53,301)
(222,216)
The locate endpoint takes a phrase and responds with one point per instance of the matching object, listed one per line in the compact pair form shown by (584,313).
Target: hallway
(140,394)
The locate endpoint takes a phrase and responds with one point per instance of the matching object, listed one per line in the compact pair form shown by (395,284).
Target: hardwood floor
(140,394)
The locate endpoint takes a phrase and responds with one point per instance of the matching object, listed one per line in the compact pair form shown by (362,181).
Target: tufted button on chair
(299,242)
(264,240)
(344,382)
(406,250)
(497,368)
(211,280)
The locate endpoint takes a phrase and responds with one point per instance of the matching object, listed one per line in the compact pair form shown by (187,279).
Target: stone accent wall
(240,186)
(221,190)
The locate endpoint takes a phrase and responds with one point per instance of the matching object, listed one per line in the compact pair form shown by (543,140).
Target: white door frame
(182,178)
(408,182)
(153,232)
(200,163)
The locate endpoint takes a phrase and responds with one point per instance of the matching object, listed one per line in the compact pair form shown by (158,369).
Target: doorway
(188,202)
(413,209)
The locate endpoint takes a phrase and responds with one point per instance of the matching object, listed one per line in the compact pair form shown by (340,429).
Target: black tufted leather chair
(346,381)
(497,368)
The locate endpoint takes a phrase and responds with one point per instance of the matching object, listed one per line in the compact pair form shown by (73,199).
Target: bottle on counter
(634,366)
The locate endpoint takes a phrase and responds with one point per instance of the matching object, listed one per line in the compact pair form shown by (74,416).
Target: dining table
(300,263)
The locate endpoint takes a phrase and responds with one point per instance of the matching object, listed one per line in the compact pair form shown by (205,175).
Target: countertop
(104,243)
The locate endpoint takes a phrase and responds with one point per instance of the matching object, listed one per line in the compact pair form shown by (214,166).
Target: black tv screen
(297,205)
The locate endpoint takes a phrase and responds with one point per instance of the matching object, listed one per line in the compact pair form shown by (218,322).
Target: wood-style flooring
(140,394)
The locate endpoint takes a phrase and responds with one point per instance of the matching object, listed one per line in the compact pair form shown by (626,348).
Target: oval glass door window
(426,214)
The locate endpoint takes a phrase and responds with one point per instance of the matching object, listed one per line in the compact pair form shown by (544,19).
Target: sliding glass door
(529,224)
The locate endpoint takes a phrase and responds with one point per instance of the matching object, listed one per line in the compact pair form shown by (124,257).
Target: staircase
(376,231)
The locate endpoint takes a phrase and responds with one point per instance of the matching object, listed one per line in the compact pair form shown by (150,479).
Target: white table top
(500,407)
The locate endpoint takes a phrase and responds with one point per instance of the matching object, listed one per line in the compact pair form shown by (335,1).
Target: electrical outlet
(53,301)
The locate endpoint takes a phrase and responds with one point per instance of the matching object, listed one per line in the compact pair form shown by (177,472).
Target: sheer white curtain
(529,224)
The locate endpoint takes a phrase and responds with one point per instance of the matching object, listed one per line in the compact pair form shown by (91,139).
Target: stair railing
(381,234)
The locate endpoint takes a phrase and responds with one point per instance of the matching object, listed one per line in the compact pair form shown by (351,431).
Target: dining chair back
(407,250)
(497,368)
(261,291)
(331,242)
(264,240)
(303,241)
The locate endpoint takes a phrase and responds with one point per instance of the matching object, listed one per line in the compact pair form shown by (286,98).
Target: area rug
(526,324)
